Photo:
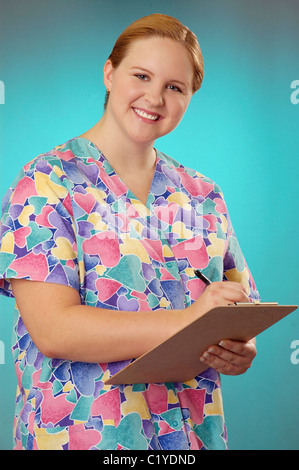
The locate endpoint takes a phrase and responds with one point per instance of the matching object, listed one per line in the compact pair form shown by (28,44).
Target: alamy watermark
(2,353)
(2,92)
(295,94)
(295,354)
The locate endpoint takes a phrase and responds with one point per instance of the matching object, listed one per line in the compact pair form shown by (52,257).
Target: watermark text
(295,353)
(2,92)
(295,94)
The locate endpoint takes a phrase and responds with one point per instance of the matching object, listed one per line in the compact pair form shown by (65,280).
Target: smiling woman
(165,27)
(100,239)
(166,64)
(149,92)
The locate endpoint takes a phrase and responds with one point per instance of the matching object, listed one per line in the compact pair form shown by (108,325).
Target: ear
(108,74)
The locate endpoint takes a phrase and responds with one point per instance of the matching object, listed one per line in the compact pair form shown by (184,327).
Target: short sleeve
(37,236)
(234,265)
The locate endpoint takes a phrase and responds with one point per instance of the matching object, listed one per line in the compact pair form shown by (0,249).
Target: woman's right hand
(218,294)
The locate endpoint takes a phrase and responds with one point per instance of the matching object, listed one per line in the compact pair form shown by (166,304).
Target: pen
(202,277)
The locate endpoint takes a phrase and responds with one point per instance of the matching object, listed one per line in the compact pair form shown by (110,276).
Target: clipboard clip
(255,302)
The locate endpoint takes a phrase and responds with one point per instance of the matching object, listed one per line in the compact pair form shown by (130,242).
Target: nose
(155,95)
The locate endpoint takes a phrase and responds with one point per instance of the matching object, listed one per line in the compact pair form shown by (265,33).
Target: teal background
(241,129)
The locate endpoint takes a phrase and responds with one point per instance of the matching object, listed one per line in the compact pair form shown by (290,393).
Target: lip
(148,113)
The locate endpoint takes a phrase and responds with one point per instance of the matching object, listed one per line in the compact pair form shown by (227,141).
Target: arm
(63,328)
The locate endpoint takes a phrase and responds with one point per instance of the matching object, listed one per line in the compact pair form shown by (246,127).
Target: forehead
(159,54)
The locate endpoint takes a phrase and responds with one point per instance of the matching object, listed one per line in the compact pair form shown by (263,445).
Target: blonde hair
(165,26)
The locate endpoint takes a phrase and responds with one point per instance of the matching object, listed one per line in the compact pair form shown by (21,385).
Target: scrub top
(69,219)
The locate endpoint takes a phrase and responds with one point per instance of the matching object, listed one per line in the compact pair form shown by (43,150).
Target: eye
(141,76)
(174,88)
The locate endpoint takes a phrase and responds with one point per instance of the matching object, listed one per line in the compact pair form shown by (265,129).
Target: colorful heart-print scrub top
(69,219)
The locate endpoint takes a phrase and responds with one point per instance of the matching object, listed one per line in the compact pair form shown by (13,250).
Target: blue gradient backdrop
(242,130)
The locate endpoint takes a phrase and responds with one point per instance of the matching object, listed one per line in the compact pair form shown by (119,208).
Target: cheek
(122,91)
(178,111)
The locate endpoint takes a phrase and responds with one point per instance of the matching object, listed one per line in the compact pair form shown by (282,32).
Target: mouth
(146,115)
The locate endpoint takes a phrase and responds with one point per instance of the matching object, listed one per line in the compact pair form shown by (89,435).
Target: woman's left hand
(230,357)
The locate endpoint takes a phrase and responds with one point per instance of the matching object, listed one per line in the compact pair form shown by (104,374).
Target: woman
(110,230)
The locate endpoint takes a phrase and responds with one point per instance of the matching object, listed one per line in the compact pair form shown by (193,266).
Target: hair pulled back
(164,26)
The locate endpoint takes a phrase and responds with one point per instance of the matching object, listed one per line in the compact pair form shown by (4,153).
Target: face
(150,89)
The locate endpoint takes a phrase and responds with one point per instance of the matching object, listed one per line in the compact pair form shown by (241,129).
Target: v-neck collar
(130,196)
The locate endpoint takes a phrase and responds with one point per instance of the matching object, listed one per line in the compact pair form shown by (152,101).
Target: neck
(123,155)
(135,164)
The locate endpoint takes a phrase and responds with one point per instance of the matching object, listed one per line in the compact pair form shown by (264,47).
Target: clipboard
(177,358)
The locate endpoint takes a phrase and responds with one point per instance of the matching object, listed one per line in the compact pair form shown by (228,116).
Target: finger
(226,355)
(228,362)
(221,365)
(238,294)
(228,291)
(242,348)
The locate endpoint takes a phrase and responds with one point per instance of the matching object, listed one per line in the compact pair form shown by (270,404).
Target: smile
(143,114)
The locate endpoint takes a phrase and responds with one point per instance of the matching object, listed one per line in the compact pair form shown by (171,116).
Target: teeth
(147,116)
